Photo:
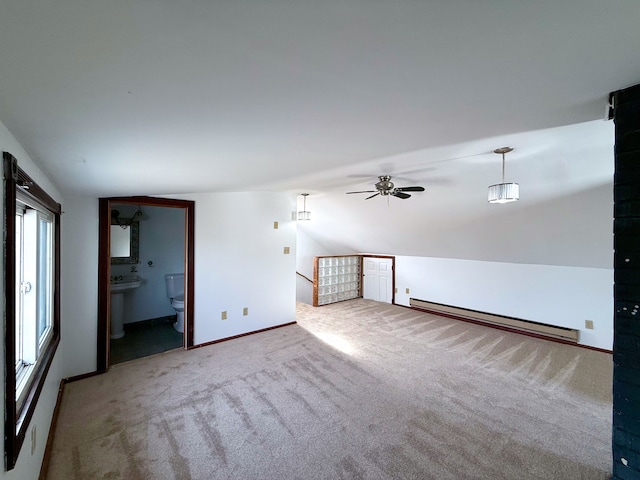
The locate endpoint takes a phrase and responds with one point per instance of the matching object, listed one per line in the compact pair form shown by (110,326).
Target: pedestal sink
(119,286)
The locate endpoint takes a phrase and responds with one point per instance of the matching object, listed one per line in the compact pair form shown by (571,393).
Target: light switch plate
(287,250)
(275,225)
(224,315)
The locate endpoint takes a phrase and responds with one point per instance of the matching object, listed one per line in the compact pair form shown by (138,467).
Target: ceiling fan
(386,187)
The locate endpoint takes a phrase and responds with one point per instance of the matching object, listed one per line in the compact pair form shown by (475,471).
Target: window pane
(44,276)
(18,314)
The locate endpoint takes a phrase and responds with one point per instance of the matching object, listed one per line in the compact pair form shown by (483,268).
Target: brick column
(626,229)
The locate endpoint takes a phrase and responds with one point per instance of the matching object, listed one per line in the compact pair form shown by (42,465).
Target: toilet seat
(178,302)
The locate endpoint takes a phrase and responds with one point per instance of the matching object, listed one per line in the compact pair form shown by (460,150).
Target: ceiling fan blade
(401,195)
(410,189)
(372,196)
(364,191)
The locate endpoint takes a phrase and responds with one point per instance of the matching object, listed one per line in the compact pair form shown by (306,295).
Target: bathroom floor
(145,338)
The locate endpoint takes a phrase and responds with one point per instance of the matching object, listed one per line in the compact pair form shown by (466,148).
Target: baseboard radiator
(567,334)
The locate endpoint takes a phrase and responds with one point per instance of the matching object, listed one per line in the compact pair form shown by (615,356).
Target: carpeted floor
(356,390)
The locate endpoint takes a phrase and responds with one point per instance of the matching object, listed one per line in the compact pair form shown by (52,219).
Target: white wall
(79,285)
(28,465)
(162,242)
(562,296)
(239,262)
(572,229)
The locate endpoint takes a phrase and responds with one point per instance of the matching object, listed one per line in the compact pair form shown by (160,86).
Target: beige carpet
(357,390)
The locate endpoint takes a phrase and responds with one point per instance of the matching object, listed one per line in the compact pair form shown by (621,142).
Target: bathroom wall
(162,232)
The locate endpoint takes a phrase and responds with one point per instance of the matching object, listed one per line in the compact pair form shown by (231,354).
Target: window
(33,289)
(32,298)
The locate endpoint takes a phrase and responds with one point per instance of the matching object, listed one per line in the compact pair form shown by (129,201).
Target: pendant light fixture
(116,219)
(504,192)
(304,214)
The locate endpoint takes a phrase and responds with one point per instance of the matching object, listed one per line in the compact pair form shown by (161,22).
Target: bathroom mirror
(125,242)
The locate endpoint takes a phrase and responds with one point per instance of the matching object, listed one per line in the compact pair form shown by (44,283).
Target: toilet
(175,292)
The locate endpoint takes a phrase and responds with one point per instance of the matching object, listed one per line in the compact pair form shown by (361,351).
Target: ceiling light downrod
(504,192)
(304,214)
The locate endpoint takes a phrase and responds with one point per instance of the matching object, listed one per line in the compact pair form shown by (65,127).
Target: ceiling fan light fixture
(504,192)
(304,214)
(386,188)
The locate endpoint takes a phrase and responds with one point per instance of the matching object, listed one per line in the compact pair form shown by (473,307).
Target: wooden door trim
(104,267)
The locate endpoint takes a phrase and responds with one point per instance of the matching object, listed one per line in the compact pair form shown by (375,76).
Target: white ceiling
(135,97)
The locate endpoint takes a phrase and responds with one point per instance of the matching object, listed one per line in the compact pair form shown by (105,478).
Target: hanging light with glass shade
(304,214)
(116,219)
(504,192)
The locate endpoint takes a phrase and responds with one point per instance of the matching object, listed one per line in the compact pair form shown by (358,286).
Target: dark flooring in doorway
(145,338)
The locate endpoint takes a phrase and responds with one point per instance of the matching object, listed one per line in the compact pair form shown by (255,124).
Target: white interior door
(378,279)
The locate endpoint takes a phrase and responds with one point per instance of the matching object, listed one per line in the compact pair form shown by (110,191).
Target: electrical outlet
(245,311)
(275,225)
(396,289)
(588,324)
(287,250)
(224,315)
(33,440)
(406,290)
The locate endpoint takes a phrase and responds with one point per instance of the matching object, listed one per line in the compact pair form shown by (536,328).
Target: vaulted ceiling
(155,97)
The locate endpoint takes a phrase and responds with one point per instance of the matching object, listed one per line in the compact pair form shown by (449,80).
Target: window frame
(19,412)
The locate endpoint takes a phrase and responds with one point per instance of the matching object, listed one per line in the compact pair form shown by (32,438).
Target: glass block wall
(336,279)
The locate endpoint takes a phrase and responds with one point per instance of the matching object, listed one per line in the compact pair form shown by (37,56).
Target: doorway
(107,268)
(379,278)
